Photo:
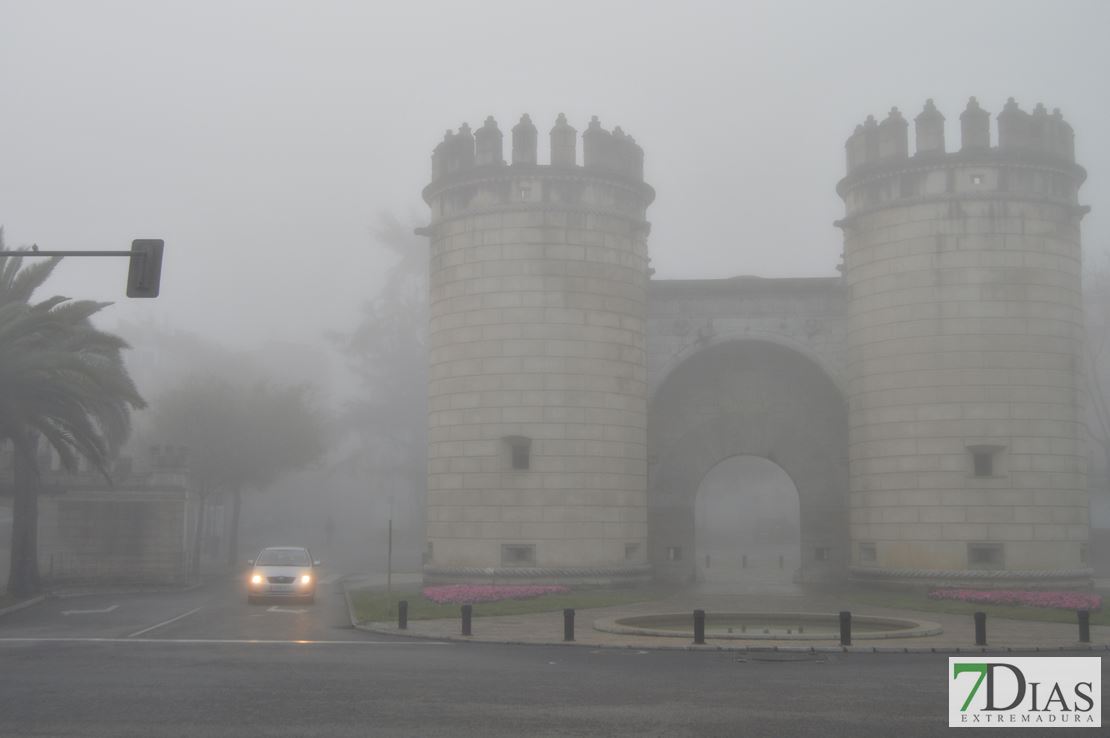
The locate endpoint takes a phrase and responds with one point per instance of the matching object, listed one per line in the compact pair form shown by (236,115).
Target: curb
(350,607)
(1078,647)
(380,629)
(20,605)
(920,629)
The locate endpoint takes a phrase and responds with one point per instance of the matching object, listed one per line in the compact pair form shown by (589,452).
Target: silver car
(284,571)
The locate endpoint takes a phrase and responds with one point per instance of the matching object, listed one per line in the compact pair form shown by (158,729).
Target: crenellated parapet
(613,152)
(1038,134)
(470,172)
(1034,157)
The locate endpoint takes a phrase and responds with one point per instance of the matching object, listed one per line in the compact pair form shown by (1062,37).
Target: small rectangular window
(984,556)
(822,553)
(520,452)
(867,553)
(977,179)
(518,554)
(631,550)
(674,553)
(985,460)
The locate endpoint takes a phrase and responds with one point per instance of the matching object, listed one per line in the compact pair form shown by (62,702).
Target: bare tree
(387,351)
(239,436)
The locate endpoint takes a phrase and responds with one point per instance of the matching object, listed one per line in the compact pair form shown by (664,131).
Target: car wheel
(311,599)
(252,600)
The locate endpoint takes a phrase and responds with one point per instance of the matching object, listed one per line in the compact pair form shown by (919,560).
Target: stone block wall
(119,535)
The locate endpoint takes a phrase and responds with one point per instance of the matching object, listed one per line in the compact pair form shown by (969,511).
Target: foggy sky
(261,139)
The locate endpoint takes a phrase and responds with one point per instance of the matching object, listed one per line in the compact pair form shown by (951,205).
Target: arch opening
(747,525)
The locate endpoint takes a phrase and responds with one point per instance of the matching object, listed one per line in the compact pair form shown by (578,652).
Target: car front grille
(280,580)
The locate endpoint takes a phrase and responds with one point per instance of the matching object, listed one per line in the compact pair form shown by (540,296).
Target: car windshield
(283,557)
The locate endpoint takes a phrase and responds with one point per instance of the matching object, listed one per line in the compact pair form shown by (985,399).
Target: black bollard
(845,628)
(1084,625)
(568,624)
(744,561)
(782,561)
(699,627)
(466,609)
(402,615)
(980,629)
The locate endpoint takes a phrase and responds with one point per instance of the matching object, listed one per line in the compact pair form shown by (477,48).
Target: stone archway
(747,526)
(748,398)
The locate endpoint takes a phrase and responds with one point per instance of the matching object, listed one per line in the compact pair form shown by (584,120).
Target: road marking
(330,578)
(224,641)
(89,612)
(164,622)
(275,608)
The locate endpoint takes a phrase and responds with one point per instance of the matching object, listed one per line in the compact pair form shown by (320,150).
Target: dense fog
(280,149)
(261,140)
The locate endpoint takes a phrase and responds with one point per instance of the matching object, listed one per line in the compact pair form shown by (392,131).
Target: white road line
(223,641)
(89,612)
(164,622)
(297,611)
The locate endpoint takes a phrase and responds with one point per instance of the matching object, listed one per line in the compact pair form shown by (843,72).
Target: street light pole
(389,560)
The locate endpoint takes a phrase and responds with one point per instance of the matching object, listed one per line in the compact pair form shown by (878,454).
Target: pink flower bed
(1062,600)
(463,594)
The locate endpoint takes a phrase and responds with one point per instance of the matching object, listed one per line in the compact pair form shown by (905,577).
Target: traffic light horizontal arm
(64,253)
(144,273)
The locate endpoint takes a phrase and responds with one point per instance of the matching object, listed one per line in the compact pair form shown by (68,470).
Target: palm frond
(60,377)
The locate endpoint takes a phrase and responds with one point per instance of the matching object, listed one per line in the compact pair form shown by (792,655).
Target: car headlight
(306,579)
(256,579)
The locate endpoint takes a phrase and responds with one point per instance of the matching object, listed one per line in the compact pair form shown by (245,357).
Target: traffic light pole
(144,275)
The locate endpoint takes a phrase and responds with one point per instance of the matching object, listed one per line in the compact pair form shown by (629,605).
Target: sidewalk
(957,631)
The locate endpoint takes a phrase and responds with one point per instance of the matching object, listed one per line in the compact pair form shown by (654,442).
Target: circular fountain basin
(768,626)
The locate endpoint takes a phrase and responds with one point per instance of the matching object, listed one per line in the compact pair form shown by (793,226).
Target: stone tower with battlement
(966,372)
(537,398)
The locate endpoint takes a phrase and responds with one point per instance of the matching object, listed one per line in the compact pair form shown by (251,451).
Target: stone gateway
(928,404)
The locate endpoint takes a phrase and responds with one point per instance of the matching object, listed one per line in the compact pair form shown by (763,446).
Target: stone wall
(120,534)
(747,366)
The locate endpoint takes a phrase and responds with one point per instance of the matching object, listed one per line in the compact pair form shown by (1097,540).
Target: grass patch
(374,606)
(919,602)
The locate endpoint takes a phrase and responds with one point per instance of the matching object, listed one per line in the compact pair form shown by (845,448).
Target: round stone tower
(966,398)
(537,386)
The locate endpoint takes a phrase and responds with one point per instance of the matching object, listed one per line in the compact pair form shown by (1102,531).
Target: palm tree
(62,381)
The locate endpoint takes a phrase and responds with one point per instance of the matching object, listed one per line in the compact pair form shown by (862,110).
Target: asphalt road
(204,663)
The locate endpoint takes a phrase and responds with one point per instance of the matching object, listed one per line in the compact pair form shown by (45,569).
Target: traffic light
(145,272)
